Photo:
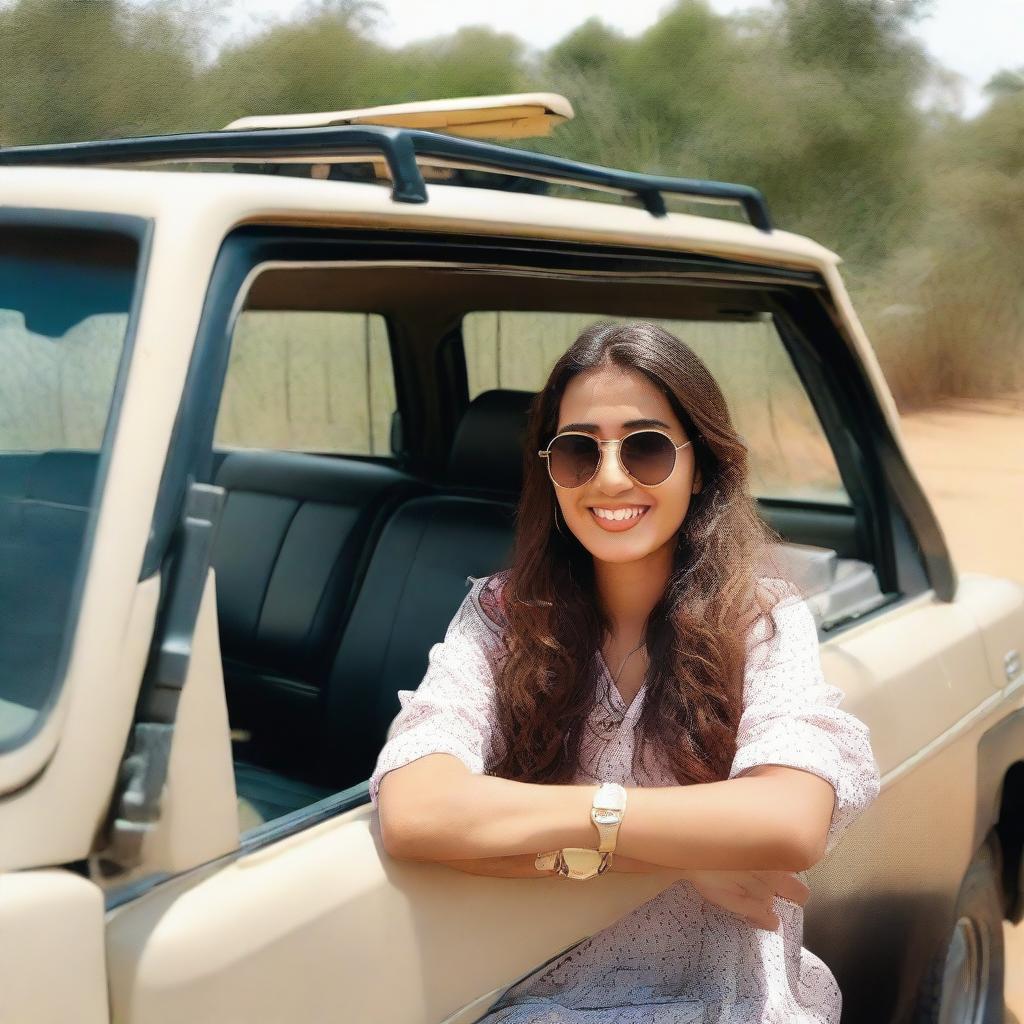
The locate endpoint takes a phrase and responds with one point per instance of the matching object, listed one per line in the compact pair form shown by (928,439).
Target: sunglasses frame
(545,453)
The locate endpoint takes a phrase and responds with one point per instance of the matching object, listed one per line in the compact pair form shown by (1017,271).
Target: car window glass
(308,381)
(64,301)
(789,454)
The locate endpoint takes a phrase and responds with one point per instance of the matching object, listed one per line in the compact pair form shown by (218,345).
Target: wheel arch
(1000,804)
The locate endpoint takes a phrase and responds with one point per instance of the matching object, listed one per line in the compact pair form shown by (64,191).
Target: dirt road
(970,459)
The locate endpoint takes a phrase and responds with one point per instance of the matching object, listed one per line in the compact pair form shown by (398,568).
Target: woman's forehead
(612,396)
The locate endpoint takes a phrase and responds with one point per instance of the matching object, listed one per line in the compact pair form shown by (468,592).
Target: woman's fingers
(757,912)
(751,884)
(786,885)
(749,894)
(753,910)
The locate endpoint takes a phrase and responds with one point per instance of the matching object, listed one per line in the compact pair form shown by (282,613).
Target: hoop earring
(557,527)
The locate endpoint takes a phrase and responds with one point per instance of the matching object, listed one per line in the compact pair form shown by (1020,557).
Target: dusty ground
(969,457)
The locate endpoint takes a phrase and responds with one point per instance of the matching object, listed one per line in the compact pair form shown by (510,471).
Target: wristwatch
(582,863)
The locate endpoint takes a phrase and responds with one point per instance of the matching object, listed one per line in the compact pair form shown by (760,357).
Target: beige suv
(259,427)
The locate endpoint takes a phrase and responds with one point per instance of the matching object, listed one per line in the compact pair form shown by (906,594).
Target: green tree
(473,61)
(322,59)
(75,70)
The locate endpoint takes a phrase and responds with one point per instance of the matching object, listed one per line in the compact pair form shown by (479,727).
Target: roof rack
(400,148)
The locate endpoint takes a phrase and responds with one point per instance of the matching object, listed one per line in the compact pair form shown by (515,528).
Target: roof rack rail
(399,147)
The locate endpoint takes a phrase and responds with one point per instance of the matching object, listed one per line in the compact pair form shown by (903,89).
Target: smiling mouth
(618,519)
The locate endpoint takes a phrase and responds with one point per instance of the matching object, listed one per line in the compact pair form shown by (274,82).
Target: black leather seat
(290,552)
(418,576)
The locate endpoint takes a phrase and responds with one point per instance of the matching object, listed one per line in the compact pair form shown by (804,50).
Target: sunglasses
(648,456)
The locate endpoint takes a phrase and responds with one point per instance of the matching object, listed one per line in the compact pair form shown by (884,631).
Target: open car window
(790,457)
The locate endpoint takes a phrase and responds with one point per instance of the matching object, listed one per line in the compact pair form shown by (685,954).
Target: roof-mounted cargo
(515,116)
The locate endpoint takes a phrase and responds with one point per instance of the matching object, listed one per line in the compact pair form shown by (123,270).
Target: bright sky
(973,37)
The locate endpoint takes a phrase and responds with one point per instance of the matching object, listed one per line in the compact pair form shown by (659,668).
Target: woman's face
(609,403)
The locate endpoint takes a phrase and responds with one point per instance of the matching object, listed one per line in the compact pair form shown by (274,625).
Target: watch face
(611,795)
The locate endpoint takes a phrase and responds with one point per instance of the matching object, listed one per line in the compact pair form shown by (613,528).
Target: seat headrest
(487,452)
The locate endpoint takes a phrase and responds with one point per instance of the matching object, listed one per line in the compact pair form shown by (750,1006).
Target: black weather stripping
(400,148)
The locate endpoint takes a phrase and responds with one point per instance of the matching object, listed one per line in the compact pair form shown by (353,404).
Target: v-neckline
(613,688)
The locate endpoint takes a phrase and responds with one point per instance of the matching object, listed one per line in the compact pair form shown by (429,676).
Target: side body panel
(919,676)
(323,925)
(52,966)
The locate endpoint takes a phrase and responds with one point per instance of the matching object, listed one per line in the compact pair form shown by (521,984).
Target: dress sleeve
(452,710)
(791,716)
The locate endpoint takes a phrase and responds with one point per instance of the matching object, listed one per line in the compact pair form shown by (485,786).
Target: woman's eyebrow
(592,428)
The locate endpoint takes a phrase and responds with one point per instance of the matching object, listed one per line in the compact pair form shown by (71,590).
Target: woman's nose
(611,477)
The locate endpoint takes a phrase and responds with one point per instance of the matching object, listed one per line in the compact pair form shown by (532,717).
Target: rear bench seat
(413,583)
(290,552)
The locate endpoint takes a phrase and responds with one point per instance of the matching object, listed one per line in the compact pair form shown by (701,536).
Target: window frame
(893,504)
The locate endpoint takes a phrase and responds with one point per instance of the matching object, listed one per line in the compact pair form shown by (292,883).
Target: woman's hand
(748,894)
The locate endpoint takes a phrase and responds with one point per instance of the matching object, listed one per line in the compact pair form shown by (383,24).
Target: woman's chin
(620,546)
(618,549)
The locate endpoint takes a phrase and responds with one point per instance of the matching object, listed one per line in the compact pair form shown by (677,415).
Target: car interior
(337,572)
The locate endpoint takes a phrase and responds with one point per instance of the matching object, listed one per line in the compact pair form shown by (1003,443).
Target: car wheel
(964,983)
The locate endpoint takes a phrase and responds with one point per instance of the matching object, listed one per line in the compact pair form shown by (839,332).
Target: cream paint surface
(969,456)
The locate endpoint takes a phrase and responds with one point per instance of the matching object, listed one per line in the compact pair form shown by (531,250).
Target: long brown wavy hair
(696,633)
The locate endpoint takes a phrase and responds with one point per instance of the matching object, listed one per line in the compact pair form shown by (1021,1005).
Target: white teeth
(618,513)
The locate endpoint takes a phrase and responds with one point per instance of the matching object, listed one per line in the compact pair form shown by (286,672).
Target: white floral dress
(676,959)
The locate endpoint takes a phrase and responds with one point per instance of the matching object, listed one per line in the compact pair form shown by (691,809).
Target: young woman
(643,635)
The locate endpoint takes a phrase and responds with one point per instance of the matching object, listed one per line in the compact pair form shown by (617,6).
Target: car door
(89,396)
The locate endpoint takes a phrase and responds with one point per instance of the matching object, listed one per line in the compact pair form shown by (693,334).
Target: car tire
(964,982)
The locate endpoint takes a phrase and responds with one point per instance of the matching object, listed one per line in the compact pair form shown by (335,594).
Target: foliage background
(830,107)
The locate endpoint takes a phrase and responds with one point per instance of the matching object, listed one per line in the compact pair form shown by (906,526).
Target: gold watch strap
(609,834)
(547,861)
(554,861)
(607,812)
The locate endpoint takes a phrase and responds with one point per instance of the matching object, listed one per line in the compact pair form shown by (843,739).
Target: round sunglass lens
(573,459)
(649,457)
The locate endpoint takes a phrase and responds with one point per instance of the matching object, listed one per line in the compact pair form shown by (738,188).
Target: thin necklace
(615,678)
(612,721)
